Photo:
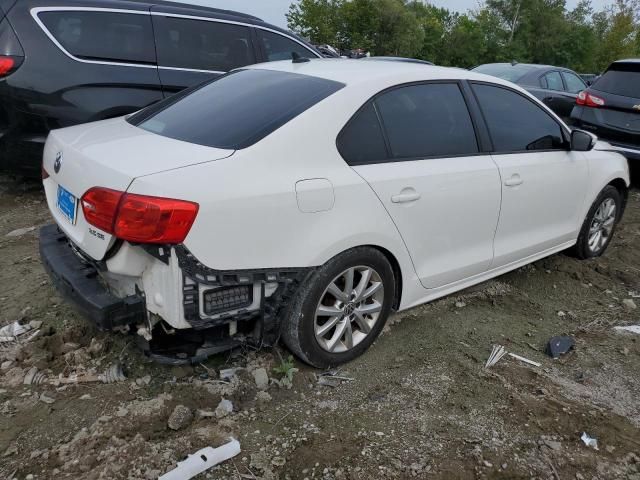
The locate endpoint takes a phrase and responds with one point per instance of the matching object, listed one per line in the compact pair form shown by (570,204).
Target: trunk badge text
(58,163)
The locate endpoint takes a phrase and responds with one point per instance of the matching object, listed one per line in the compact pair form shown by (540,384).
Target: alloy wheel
(602,225)
(348,309)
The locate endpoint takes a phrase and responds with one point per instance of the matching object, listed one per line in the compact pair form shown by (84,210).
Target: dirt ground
(419,404)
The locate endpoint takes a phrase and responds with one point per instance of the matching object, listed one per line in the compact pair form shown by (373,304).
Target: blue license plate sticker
(67,204)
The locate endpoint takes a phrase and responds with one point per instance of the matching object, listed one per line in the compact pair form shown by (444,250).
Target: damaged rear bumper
(211,310)
(78,282)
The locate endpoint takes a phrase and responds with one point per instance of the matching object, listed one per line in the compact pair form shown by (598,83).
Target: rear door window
(517,124)
(236,110)
(427,120)
(621,80)
(554,81)
(279,47)
(574,83)
(108,36)
(202,45)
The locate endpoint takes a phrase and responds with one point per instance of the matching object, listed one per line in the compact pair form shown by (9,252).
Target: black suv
(610,108)
(73,61)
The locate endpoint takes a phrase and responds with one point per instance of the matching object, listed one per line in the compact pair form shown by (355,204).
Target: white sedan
(307,200)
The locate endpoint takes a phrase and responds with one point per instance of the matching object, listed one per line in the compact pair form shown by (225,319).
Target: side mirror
(582,141)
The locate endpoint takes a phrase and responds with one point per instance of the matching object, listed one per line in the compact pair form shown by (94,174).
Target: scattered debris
(20,231)
(47,399)
(628,328)
(497,353)
(329,381)
(525,360)
(278,461)
(227,374)
(629,304)
(330,378)
(261,378)
(224,408)
(588,441)
(180,418)
(560,345)
(10,333)
(460,304)
(202,460)
(113,374)
(263,397)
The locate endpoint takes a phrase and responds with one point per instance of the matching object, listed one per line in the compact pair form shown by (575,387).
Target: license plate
(67,204)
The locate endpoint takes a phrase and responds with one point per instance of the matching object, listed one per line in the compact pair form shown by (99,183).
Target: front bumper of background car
(182,310)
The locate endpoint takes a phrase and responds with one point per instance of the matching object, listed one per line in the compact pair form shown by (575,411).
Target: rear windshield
(236,110)
(621,79)
(506,71)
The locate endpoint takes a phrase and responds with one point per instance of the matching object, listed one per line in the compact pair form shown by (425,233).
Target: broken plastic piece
(203,460)
(525,360)
(9,333)
(589,441)
(629,328)
(497,353)
(560,345)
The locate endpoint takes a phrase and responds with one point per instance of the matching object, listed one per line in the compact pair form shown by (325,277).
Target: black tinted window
(362,140)
(236,110)
(279,47)
(427,120)
(202,45)
(515,122)
(574,83)
(623,81)
(118,37)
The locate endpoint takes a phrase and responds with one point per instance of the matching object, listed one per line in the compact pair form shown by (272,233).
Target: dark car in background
(73,61)
(557,87)
(610,108)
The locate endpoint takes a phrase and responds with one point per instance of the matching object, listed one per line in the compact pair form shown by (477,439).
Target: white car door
(416,146)
(543,182)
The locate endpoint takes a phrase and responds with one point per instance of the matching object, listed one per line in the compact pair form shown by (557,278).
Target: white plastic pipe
(202,460)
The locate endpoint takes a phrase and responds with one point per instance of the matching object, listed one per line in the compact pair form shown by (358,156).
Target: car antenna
(297,58)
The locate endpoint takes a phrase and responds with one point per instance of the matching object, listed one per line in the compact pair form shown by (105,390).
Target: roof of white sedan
(351,71)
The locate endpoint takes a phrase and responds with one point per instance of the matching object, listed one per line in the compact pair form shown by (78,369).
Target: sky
(273,11)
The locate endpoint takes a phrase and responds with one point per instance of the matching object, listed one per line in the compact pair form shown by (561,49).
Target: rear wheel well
(620,185)
(397,273)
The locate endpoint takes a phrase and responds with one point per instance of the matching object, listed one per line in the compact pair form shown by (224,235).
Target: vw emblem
(58,163)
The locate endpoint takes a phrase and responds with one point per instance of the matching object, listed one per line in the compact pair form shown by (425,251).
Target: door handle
(514,181)
(405,196)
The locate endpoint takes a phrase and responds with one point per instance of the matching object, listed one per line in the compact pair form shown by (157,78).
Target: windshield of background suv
(506,71)
(237,110)
(622,80)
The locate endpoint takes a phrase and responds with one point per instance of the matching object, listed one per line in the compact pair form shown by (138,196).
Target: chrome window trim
(37,10)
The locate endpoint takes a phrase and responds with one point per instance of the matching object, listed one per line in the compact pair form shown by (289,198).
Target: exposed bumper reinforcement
(78,283)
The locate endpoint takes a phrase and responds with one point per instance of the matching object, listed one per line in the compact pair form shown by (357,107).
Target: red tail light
(100,206)
(139,218)
(9,64)
(588,100)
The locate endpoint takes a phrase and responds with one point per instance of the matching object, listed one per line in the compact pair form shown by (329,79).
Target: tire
(323,294)
(583,249)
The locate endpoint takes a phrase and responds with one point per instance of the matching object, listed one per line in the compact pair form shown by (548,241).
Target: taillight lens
(9,64)
(588,100)
(139,218)
(100,206)
(154,220)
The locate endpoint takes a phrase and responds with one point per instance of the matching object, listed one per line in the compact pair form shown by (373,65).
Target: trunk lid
(110,154)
